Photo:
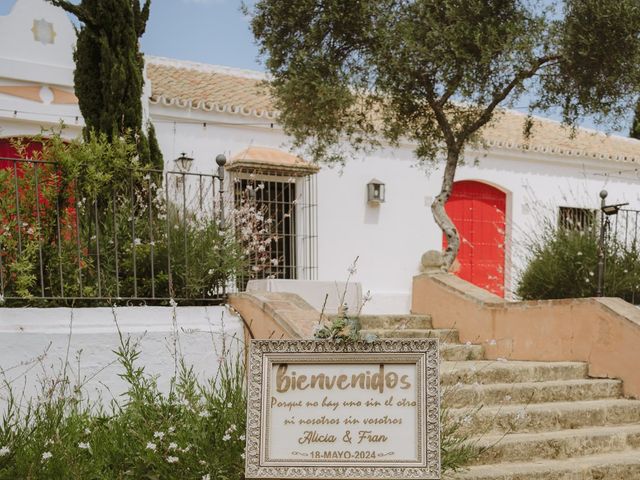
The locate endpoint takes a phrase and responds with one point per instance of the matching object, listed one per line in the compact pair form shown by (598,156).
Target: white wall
(90,334)
(23,57)
(390,238)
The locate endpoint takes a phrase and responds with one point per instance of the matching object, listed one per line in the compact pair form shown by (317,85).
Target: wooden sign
(343,410)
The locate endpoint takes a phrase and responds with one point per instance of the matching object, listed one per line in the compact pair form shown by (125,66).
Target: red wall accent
(478,212)
(7,150)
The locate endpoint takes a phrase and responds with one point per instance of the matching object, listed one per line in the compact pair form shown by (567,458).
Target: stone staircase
(538,420)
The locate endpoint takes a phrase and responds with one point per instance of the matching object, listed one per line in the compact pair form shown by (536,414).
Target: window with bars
(577,219)
(285,233)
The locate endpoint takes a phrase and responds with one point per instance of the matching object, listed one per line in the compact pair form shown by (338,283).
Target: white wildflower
(151,446)
(205,414)
(137,241)
(241,437)
(87,431)
(84,446)
(46,456)
(4,450)
(159,435)
(173,429)
(173,303)
(242,455)
(206,477)
(202,462)
(274,261)
(230,405)
(226,437)
(172,446)
(171,459)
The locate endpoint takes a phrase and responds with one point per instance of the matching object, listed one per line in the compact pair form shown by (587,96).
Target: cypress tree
(635,126)
(108,78)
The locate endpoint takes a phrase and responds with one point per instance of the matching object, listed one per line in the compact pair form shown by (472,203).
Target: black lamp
(183,162)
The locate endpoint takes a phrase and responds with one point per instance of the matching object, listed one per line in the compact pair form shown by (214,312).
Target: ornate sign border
(425,352)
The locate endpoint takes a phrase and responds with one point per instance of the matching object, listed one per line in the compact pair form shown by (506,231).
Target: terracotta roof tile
(222,89)
(198,87)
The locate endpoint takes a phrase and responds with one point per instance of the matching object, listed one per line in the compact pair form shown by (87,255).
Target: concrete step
(395,322)
(559,445)
(444,335)
(611,466)
(545,417)
(531,392)
(457,352)
(492,371)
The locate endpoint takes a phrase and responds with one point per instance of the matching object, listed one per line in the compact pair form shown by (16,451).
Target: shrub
(563,263)
(85,221)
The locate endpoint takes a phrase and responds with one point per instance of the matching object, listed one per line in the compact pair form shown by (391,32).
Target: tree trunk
(440,214)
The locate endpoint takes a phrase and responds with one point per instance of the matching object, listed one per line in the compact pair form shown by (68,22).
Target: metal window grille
(288,209)
(578,219)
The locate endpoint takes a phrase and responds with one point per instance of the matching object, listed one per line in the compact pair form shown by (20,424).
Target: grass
(195,431)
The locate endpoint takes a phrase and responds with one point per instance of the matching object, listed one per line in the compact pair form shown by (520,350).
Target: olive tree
(436,72)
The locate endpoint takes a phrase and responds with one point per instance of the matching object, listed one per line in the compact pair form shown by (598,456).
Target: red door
(478,212)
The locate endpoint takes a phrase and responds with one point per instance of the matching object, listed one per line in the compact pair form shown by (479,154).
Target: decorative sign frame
(278,396)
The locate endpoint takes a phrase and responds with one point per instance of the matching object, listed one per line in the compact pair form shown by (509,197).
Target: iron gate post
(601,256)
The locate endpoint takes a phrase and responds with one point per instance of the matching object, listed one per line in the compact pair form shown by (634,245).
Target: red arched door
(478,212)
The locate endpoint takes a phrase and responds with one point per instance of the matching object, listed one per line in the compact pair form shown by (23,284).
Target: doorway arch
(478,210)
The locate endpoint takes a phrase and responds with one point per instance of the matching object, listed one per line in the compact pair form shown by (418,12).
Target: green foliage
(635,126)
(435,71)
(108,78)
(100,227)
(564,264)
(341,328)
(193,432)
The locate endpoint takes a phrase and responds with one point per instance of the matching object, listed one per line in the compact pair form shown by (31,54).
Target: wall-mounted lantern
(183,162)
(375,191)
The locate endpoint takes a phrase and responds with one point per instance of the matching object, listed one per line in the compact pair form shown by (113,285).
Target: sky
(217,32)
(208,31)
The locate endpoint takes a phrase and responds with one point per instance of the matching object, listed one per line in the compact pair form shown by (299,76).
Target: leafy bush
(563,263)
(85,221)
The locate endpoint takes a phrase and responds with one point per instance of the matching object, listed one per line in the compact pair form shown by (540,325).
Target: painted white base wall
(203,333)
(388,303)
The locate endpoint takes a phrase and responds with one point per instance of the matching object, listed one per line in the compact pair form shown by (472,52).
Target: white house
(502,190)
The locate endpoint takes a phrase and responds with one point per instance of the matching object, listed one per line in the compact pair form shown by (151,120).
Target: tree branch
(500,96)
(453,86)
(443,122)
(76,10)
